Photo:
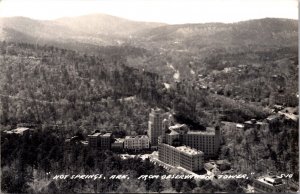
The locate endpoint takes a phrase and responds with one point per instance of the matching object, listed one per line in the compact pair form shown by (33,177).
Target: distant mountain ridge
(99,29)
(105,24)
(102,30)
(261,31)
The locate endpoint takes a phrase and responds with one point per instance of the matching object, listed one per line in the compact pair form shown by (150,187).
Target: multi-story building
(94,140)
(155,128)
(118,144)
(105,141)
(207,141)
(287,99)
(171,137)
(180,128)
(100,140)
(183,156)
(136,142)
(269,184)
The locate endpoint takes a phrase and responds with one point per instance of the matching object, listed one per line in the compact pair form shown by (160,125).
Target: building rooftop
(209,166)
(119,140)
(74,138)
(227,122)
(137,137)
(107,135)
(189,150)
(172,132)
(156,110)
(249,122)
(95,134)
(261,123)
(84,142)
(18,130)
(100,134)
(272,117)
(220,162)
(289,116)
(177,126)
(240,125)
(201,132)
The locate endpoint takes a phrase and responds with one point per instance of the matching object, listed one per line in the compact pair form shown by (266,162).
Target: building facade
(118,144)
(100,140)
(207,141)
(105,141)
(171,137)
(136,142)
(155,126)
(183,156)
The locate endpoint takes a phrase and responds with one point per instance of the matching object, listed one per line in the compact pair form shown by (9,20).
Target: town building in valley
(183,156)
(19,131)
(155,128)
(136,142)
(118,144)
(100,140)
(269,184)
(207,141)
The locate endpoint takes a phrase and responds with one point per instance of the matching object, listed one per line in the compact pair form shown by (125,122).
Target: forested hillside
(56,86)
(253,60)
(42,84)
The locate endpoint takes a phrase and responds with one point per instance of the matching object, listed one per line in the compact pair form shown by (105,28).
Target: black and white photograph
(149,96)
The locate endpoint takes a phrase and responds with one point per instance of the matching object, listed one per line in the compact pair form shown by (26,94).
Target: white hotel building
(136,142)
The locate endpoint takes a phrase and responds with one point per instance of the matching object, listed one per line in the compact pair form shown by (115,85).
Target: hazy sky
(167,11)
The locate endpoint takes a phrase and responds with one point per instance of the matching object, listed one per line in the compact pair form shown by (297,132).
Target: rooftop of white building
(107,135)
(249,122)
(137,137)
(240,125)
(177,126)
(208,131)
(18,130)
(84,142)
(272,117)
(100,134)
(119,140)
(189,150)
(95,134)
